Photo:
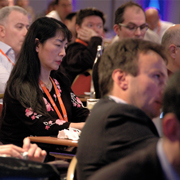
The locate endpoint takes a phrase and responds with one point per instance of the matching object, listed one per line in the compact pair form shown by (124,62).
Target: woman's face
(51,52)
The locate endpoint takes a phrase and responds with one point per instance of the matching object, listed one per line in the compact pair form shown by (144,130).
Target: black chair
(13,168)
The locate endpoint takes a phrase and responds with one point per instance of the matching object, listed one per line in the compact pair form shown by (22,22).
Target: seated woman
(38,101)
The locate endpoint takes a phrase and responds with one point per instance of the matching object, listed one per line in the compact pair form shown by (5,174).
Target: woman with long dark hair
(38,100)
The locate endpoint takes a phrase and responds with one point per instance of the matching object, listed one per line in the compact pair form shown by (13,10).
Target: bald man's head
(171,36)
(152,18)
(171,41)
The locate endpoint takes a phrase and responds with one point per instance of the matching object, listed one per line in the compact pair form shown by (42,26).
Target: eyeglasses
(134,27)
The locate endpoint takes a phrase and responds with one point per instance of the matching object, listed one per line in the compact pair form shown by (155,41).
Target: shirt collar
(117,100)
(168,171)
(4,47)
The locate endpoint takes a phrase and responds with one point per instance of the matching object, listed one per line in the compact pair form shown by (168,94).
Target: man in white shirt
(14,24)
(155,23)
(62,9)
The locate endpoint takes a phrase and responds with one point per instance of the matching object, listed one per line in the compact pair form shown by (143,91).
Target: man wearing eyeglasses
(130,22)
(171,41)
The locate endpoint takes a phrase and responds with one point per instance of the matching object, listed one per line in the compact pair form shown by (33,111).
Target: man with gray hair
(171,41)
(14,24)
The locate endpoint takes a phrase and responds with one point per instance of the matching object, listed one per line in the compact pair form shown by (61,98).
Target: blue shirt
(5,65)
(168,171)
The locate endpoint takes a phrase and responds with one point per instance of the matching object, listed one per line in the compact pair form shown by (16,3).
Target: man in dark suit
(160,160)
(132,77)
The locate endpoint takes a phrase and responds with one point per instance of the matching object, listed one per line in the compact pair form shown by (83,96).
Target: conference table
(53,140)
(56,141)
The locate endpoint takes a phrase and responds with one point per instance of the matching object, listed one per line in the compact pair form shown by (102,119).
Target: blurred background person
(62,9)
(171,41)
(130,22)
(14,25)
(81,54)
(51,6)
(70,22)
(25,4)
(4,3)
(155,23)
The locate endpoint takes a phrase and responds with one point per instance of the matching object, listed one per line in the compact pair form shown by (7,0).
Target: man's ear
(120,78)
(171,127)
(37,44)
(172,51)
(116,29)
(2,31)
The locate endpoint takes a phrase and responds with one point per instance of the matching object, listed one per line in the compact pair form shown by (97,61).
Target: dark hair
(171,96)
(56,2)
(51,4)
(124,55)
(70,16)
(120,11)
(23,83)
(81,14)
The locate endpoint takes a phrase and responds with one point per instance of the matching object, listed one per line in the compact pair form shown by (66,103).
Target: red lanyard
(82,42)
(6,57)
(52,101)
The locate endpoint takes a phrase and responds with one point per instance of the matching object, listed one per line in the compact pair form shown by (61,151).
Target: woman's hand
(86,34)
(11,151)
(77,125)
(34,152)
